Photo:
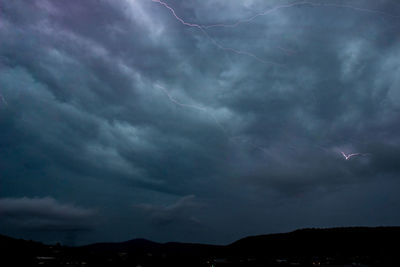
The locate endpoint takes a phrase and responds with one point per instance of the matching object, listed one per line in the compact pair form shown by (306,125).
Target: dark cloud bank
(114,112)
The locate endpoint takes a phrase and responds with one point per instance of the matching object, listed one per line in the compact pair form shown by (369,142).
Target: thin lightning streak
(348,156)
(172,99)
(177,102)
(202,109)
(176,16)
(302,3)
(359,9)
(202,29)
(231,25)
(239,52)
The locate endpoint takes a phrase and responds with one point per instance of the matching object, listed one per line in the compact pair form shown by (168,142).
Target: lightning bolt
(203,28)
(233,138)
(217,44)
(237,23)
(348,156)
(358,9)
(176,16)
(200,108)
(301,3)
(203,109)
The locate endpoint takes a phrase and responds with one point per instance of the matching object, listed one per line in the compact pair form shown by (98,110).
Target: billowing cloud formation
(164,215)
(114,103)
(44,214)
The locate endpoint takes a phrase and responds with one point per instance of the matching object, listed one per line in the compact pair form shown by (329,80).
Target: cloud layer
(44,214)
(121,107)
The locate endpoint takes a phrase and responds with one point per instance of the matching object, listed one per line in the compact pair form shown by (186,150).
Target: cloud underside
(99,97)
(44,214)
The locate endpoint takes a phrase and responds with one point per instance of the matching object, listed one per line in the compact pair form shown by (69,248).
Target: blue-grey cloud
(169,214)
(44,214)
(114,103)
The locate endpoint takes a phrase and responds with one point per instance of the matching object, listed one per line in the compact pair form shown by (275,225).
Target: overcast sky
(197,121)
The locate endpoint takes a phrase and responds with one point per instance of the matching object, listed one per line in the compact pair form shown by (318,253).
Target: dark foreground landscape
(356,246)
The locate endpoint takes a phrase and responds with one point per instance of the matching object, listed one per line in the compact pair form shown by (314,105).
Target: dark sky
(120,119)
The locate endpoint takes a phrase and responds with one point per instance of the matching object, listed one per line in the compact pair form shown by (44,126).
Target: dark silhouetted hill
(127,246)
(374,246)
(359,240)
(354,246)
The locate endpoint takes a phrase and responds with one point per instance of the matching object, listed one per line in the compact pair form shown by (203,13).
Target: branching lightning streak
(357,9)
(202,29)
(301,3)
(176,16)
(348,156)
(231,25)
(177,102)
(202,109)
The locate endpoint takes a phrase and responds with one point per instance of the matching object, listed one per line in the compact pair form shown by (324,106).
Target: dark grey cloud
(108,104)
(44,214)
(170,214)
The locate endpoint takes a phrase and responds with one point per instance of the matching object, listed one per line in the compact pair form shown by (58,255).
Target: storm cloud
(44,214)
(190,126)
(170,214)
